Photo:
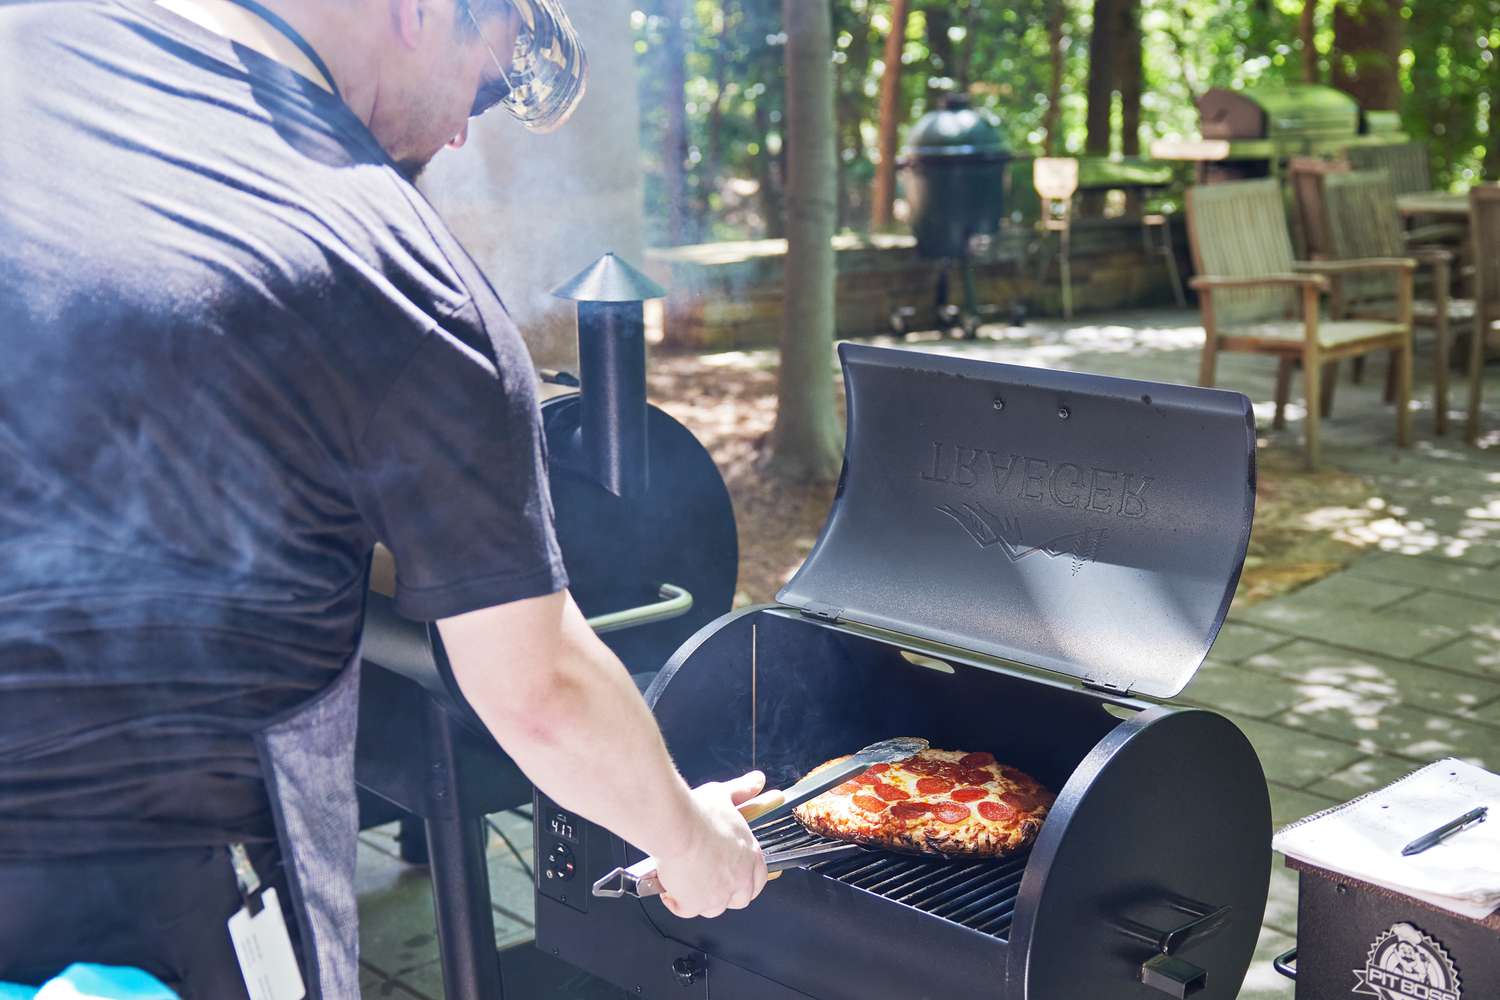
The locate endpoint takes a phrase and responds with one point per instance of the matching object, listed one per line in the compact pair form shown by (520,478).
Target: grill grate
(980,895)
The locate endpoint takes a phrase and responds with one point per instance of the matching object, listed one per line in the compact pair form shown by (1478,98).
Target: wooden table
(1445,204)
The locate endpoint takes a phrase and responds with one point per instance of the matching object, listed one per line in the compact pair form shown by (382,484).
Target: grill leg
(460,876)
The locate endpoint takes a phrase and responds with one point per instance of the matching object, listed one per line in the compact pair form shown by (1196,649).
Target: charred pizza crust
(940,802)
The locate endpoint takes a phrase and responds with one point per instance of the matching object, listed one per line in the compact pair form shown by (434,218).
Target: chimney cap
(609,279)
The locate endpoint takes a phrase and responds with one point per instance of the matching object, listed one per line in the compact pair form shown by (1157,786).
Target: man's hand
(566,710)
(720,866)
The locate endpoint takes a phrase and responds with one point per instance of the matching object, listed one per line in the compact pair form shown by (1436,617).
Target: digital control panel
(560,852)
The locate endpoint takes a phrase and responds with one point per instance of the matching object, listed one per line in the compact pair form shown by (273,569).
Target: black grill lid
(1090,526)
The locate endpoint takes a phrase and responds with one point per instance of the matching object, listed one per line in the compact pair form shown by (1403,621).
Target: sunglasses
(493,91)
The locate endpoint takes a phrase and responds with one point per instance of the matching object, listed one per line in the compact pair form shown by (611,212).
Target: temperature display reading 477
(563,826)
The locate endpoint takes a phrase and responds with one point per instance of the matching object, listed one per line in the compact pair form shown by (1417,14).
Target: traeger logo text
(1105,491)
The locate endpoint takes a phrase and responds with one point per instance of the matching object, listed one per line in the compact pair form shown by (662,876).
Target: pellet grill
(1252,132)
(1018,561)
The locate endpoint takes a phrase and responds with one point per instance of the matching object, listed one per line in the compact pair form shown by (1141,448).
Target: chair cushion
(1331,333)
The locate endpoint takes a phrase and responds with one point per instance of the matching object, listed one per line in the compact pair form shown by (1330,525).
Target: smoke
(533,209)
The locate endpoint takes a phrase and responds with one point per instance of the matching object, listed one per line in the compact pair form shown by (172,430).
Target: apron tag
(261,942)
(264,948)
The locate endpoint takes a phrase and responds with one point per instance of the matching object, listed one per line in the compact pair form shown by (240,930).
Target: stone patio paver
(1476,654)
(1353,627)
(1290,804)
(1292,758)
(1238,640)
(1374,726)
(1375,771)
(1310,664)
(1420,571)
(1342,687)
(1235,689)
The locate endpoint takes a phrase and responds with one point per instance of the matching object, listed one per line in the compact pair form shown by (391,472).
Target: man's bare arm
(566,710)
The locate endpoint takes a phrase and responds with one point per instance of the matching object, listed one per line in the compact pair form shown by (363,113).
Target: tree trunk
(1052,121)
(1367,42)
(1492,147)
(1130,77)
(1307,32)
(1130,74)
(767,179)
(890,118)
(713,159)
(675,166)
(939,51)
(805,441)
(1103,74)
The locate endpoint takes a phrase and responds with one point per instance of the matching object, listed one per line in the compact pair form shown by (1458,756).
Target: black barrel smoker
(648,537)
(1017,561)
(955,165)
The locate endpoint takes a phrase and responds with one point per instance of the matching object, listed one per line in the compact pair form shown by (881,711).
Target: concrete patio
(1342,685)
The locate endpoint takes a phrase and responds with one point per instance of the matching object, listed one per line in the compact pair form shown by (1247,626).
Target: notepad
(1362,839)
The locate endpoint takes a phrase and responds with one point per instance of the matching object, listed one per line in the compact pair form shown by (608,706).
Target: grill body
(1157,806)
(1015,557)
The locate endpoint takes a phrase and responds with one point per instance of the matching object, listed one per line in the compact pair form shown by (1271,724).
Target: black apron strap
(278,22)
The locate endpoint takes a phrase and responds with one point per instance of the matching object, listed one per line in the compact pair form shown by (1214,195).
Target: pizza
(939,802)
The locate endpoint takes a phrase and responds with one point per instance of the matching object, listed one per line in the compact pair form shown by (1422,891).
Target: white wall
(536,209)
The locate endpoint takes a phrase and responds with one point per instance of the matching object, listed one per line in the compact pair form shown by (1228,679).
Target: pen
(1445,831)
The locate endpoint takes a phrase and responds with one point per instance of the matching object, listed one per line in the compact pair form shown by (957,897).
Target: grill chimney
(611,298)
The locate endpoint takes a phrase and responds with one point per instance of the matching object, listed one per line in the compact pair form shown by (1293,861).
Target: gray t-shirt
(237,348)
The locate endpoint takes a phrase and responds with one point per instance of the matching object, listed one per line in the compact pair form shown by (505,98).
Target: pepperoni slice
(1019,801)
(848,788)
(976,759)
(934,786)
(950,812)
(866,779)
(890,792)
(996,812)
(923,766)
(869,803)
(976,777)
(878,768)
(909,810)
(1011,774)
(970,794)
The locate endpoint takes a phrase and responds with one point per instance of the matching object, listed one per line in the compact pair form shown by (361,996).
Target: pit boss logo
(1405,964)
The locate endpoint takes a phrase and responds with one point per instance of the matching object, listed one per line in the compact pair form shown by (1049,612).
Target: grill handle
(675,602)
(1286,964)
(1164,971)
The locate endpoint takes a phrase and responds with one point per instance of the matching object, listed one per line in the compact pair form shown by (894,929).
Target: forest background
(1066,77)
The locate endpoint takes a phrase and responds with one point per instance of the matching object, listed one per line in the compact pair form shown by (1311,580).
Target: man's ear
(408,18)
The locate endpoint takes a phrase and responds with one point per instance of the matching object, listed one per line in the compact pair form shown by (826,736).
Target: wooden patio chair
(1410,171)
(1249,285)
(1484,225)
(1306,174)
(1406,162)
(1363,223)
